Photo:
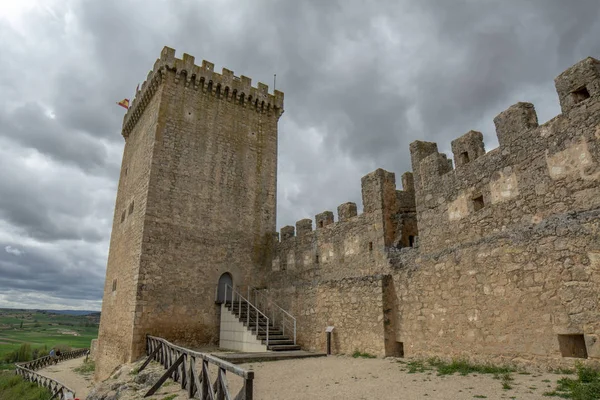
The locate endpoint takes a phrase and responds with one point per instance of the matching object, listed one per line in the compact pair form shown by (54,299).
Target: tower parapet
(225,86)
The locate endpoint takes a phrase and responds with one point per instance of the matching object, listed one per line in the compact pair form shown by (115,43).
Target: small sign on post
(329,330)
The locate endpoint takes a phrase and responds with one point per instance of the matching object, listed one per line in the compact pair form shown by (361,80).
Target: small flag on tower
(124,103)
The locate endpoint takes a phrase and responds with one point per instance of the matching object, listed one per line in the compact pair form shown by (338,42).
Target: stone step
(277,342)
(262,336)
(283,347)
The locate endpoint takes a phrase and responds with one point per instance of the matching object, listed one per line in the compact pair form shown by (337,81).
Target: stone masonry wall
(354,306)
(120,287)
(514,263)
(201,166)
(211,204)
(322,275)
(507,261)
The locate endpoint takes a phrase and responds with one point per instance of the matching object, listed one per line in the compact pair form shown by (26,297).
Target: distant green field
(43,330)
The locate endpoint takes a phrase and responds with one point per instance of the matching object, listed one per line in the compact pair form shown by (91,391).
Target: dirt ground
(63,372)
(342,377)
(357,378)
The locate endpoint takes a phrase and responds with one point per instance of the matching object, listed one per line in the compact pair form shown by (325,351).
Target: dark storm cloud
(361,80)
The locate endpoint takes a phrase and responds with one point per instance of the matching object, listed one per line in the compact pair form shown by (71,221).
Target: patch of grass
(479,396)
(464,367)
(86,368)
(585,387)
(358,354)
(416,366)
(169,397)
(14,387)
(506,379)
(563,371)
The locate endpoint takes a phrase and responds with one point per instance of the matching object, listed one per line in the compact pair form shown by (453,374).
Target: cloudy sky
(362,79)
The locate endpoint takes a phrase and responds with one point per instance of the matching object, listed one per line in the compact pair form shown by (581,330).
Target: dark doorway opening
(224,280)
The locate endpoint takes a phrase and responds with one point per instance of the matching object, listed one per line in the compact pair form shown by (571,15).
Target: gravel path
(349,379)
(63,372)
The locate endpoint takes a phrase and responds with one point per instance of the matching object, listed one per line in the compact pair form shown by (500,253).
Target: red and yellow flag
(124,103)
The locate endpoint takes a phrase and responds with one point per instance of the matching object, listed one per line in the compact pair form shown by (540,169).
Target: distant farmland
(43,330)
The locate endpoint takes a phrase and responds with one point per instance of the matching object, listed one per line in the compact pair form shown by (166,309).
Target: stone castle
(497,258)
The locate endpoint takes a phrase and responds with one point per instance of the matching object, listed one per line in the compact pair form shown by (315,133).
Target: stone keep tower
(196,200)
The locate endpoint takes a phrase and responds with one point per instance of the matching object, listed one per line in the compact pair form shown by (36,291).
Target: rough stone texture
(200,164)
(508,254)
(491,260)
(346,211)
(350,305)
(93,348)
(468,148)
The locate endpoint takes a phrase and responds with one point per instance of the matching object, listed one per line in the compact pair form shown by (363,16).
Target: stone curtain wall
(508,249)
(355,245)
(354,306)
(506,296)
(515,261)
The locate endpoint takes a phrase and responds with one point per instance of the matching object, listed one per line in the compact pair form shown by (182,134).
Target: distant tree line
(26,353)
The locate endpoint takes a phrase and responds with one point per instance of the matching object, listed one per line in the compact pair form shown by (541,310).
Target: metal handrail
(270,302)
(241,299)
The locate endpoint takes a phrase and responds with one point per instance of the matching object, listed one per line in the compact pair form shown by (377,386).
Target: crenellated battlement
(483,187)
(225,87)
(520,137)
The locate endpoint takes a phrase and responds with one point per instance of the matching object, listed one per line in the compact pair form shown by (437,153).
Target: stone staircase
(278,340)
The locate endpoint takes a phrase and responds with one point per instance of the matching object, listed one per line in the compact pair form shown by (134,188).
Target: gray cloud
(362,80)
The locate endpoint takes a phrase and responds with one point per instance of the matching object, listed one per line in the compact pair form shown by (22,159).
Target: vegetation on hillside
(29,334)
(14,387)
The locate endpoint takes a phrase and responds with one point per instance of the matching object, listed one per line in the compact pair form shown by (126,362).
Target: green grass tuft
(169,397)
(14,387)
(464,367)
(358,354)
(585,387)
(86,368)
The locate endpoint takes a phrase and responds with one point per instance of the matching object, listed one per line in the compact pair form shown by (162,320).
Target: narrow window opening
(464,157)
(317,259)
(572,346)
(123,217)
(580,94)
(321,224)
(478,203)
(131,208)
(126,170)
(411,241)
(370,246)
(114,285)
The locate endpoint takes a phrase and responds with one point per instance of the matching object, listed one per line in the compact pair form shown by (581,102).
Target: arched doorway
(225,279)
